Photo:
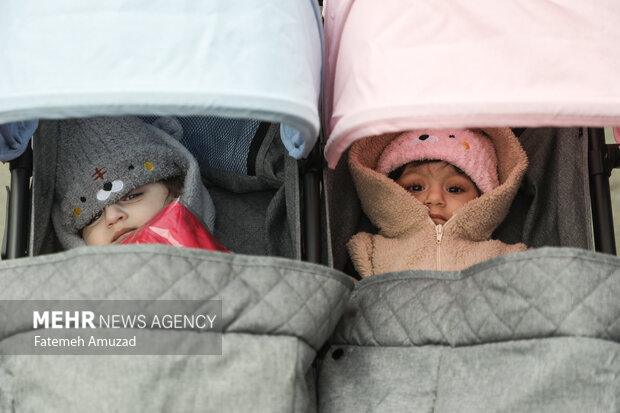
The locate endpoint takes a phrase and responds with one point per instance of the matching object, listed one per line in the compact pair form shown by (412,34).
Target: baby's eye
(131,195)
(415,188)
(455,190)
(95,218)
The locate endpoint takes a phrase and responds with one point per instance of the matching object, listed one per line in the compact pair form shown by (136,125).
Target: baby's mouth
(121,235)
(437,217)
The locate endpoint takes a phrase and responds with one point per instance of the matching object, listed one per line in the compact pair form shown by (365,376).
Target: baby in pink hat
(436,197)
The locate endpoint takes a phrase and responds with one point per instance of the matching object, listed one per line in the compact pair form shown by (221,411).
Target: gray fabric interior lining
(259,214)
(551,208)
(344,209)
(43,178)
(254,214)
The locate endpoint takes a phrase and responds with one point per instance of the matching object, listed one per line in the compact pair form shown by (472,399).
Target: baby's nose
(114,213)
(434,196)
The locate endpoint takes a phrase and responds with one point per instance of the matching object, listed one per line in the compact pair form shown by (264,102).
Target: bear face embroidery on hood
(108,188)
(469,150)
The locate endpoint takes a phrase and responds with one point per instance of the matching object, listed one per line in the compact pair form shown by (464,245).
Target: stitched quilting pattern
(260,295)
(537,293)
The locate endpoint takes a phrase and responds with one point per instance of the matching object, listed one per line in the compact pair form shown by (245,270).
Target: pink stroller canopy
(452,63)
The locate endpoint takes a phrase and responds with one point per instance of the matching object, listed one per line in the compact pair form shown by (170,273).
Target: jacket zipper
(439,230)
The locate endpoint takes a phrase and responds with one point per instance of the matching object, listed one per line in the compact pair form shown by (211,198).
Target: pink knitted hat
(469,150)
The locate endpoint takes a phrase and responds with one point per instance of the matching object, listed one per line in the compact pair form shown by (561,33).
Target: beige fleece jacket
(408,239)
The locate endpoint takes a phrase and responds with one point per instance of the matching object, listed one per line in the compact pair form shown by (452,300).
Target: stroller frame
(602,159)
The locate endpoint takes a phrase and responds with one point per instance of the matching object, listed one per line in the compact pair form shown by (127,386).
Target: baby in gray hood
(114,174)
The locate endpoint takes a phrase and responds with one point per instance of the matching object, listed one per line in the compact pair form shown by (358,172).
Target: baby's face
(440,187)
(118,221)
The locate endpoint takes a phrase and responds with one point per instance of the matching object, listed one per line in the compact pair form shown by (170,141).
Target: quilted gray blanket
(276,314)
(536,331)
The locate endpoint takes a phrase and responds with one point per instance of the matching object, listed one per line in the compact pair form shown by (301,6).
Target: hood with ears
(101,159)
(397,214)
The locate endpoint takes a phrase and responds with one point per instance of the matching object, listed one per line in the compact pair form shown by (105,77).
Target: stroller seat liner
(259,213)
(276,314)
(539,327)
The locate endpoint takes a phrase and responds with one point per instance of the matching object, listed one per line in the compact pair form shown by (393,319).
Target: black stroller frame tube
(312,218)
(18,205)
(311,172)
(600,167)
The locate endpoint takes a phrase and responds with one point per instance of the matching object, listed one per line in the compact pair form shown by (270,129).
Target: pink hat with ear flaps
(469,150)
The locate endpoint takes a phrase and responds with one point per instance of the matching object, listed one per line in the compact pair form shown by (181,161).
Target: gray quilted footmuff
(536,331)
(276,314)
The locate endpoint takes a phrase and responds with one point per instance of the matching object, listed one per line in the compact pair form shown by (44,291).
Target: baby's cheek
(88,235)
(461,203)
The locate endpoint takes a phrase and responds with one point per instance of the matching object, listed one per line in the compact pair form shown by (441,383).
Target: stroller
(247,97)
(531,331)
